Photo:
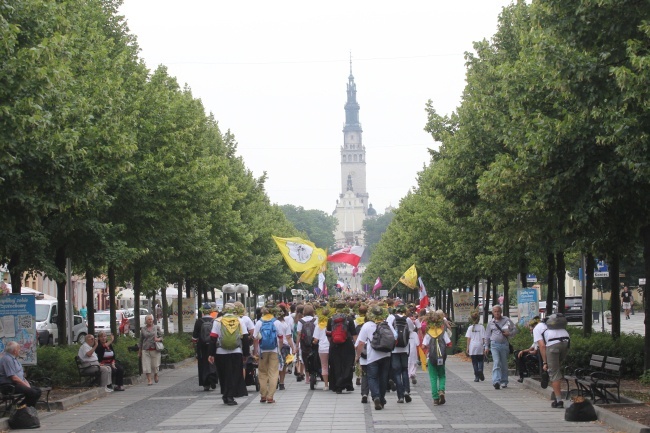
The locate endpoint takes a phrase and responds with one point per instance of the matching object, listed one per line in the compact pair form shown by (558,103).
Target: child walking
(475,344)
(437,340)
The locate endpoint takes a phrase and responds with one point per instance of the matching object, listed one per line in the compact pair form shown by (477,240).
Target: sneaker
(107,389)
(326,388)
(476,379)
(557,404)
(350,388)
(378,405)
(442,397)
(520,380)
(408,398)
(118,388)
(338,391)
(504,385)
(414,381)
(400,400)
(392,385)
(206,388)
(497,385)
(358,381)
(299,378)
(282,387)
(364,399)
(545,379)
(481,376)
(436,402)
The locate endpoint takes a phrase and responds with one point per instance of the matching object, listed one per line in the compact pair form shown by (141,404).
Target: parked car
(130,313)
(542,307)
(79,329)
(573,308)
(103,322)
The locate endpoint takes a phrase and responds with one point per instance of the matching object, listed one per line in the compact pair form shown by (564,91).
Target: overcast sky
(275,74)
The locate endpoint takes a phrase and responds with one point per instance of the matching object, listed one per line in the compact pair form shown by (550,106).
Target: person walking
(499,330)
(399,357)
(378,361)
(267,337)
(476,344)
(340,330)
(359,321)
(437,341)
(201,340)
(553,340)
(226,352)
(149,336)
(626,301)
(323,343)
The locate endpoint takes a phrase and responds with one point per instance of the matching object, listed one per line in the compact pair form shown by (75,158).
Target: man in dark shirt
(626,299)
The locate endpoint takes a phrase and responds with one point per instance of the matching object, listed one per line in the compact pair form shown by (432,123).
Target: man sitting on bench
(89,359)
(11,372)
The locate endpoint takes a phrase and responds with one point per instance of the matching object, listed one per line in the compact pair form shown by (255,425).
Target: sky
(274,73)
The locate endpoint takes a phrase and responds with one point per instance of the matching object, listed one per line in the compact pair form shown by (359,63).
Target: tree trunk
(111,300)
(560,272)
(476,289)
(615,297)
(506,297)
(59,262)
(550,295)
(15,273)
(495,294)
(137,289)
(90,304)
(589,284)
(645,234)
(179,305)
(486,302)
(163,300)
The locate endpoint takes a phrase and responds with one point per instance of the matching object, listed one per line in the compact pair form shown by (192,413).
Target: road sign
(601,274)
(282,289)
(531,278)
(99,285)
(641,281)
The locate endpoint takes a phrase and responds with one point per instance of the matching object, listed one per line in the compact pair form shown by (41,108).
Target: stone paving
(178,404)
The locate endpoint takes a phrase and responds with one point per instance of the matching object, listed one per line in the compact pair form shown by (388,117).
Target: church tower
(352,206)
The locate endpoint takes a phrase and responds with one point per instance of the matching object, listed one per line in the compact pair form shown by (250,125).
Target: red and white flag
(349,255)
(377,285)
(424,299)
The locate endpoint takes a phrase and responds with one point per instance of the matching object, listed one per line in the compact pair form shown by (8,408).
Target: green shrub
(57,362)
(645,378)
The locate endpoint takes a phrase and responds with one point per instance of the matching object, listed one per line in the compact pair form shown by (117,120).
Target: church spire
(352,106)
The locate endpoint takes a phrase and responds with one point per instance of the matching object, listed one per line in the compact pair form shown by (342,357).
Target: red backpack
(339,328)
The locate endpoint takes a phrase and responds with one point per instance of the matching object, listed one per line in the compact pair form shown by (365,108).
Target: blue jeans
(477,363)
(378,378)
(400,372)
(500,352)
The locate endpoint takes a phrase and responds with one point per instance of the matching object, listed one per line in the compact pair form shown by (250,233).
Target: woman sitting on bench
(106,356)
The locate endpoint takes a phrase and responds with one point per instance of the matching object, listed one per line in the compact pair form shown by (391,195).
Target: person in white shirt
(287,343)
(229,361)
(476,344)
(553,348)
(378,363)
(320,335)
(267,351)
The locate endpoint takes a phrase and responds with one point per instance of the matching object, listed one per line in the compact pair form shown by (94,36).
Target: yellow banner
(300,255)
(410,277)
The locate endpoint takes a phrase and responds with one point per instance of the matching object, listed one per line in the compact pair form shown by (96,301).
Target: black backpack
(383,339)
(206,330)
(437,351)
(403,331)
(307,333)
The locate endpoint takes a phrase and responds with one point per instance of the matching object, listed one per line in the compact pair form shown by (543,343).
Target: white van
(47,332)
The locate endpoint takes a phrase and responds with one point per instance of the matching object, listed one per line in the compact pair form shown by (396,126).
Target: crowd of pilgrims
(317,341)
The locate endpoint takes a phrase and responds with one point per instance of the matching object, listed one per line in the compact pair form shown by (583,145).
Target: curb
(75,400)
(617,422)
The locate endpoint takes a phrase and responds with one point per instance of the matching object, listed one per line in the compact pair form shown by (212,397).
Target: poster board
(527,305)
(17,323)
(463,303)
(189,313)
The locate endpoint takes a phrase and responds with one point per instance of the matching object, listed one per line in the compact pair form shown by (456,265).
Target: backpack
(403,331)
(230,337)
(437,351)
(556,321)
(269,335)
(383,339)
(307,333)
(339,328)
(206,330)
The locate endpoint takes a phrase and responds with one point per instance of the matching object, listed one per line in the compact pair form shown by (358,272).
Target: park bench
(45,385)
(602,379)
(88,375)
(9,397)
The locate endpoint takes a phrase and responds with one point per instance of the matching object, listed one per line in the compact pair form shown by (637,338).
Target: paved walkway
(178,404)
